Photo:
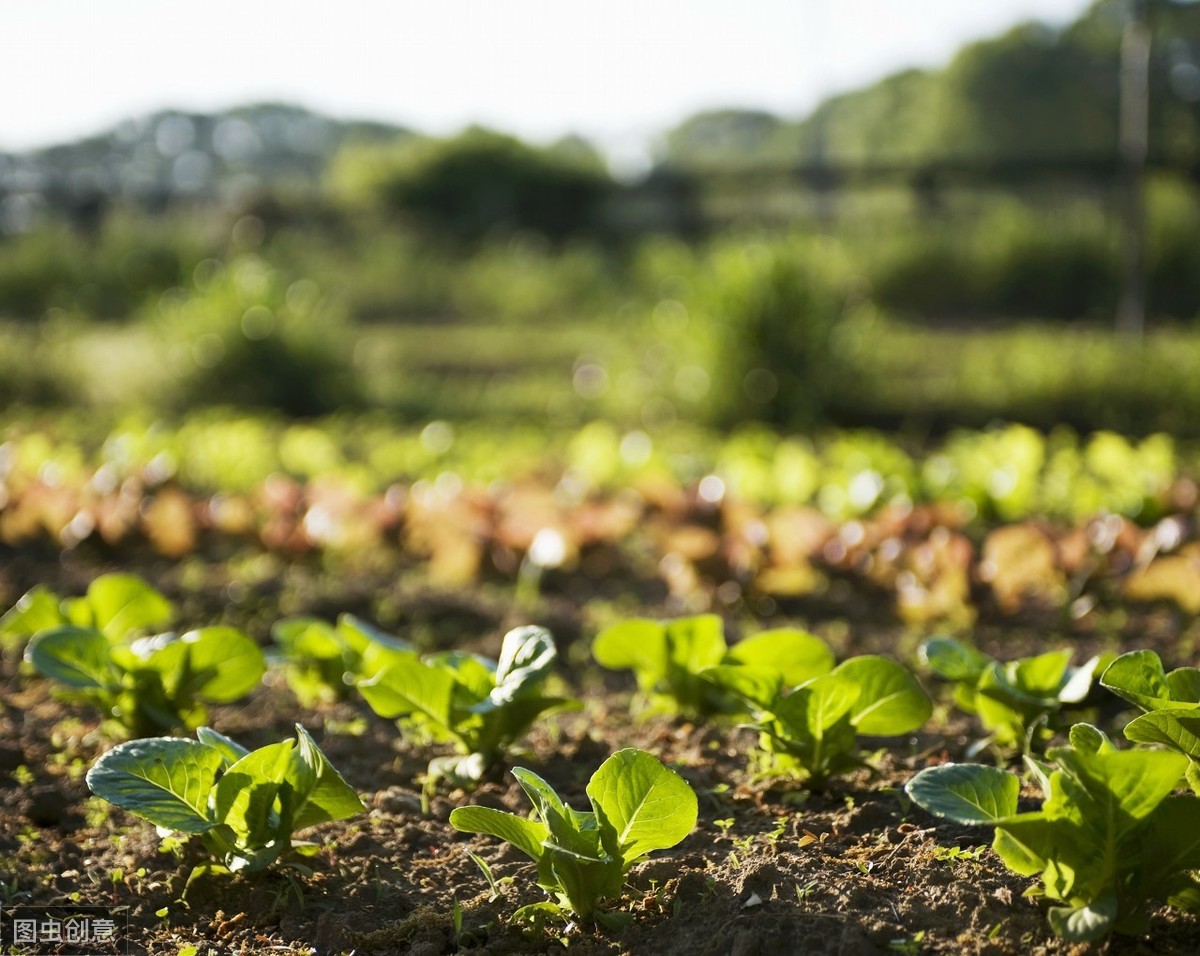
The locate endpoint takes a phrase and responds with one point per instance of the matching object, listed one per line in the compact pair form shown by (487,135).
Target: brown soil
(855,869)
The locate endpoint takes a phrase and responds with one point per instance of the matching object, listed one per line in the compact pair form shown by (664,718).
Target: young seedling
(1110,842)
(810,731)
(246,804)
(1170,701)
(143,685)
(1016,699)
(322,661)
(479,705)
(638,806)
(669,657)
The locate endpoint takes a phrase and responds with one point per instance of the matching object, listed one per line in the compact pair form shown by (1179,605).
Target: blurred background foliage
(940,249)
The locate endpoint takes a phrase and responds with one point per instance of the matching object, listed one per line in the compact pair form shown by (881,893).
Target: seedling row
(1102,828)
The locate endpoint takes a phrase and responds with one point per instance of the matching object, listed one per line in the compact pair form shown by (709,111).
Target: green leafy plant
(810,731)
(1110,841)
(322,661)
(669,658)
(1013,699)
(481,706)
(638,806)
(1171,702)
(144,685)
(119,605)
(246,804)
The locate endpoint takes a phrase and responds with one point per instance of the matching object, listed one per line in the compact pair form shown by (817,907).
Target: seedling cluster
(1112,839)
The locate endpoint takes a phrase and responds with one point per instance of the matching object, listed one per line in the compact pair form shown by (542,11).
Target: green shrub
(479,183)
(768,312)
(242,336)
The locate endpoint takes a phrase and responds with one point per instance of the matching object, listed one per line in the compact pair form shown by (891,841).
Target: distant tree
(1034,92)
(729,137)
(480,183)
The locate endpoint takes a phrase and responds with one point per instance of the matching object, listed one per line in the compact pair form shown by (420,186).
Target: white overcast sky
(619,71)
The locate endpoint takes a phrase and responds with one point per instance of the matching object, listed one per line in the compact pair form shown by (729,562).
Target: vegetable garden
(646,693)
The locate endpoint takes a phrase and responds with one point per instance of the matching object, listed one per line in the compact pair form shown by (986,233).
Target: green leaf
(526,657)
(501,727)
(954,660)
(1184,684)
(246,795)
(458,770)
(36,610)
(759,686)
(406,686)
(1089,739)
(890,700)
(694,643)
(813,709)
(474,677)
(166,780)
(1023,841)
(649,806)
(1079,680)
(331,798)
(545,799)
(1186,895)
(231,751)
(1170,844)
(223,664)
(1139,678)
(1180,732)
(1040,771)
(639,645)
(1042,676)
(79,657)
(966,793)
(526,835)
(1117,788)
(360,635)
(796,654)
(307,638)
(1083,923)
(122,604)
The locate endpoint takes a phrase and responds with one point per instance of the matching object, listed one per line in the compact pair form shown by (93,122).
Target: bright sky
(618,71)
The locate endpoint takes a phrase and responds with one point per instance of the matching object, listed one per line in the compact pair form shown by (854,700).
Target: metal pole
(1134,145)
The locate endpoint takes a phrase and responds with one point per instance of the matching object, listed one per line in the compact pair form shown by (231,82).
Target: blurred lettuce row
(1003,474)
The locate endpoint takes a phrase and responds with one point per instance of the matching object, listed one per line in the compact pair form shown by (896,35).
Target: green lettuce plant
(1015,699)
(810,731)
(245,804)
(143,685)
(637,806)
(1109,843)
(119,605)
(1170,701)
(479,705)
(669,659)
(322,661)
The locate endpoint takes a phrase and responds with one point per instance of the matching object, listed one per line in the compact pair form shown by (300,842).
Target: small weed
(493,883)
(909,945)
(955,854)
(781,824)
